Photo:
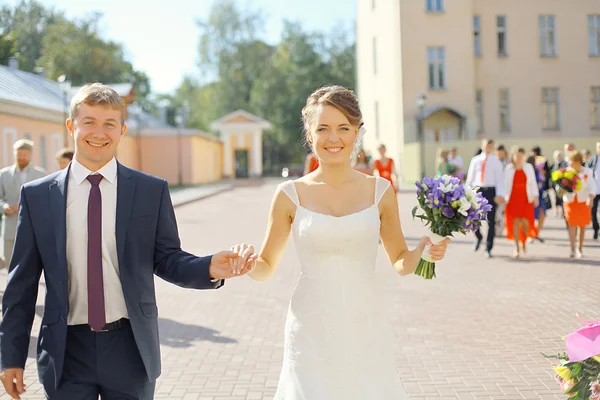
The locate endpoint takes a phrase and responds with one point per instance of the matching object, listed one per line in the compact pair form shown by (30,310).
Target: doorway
(241,164)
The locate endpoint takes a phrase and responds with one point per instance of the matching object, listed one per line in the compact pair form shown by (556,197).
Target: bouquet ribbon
(435,239)
(584,343)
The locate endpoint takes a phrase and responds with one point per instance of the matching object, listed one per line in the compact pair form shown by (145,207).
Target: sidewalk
(185,195)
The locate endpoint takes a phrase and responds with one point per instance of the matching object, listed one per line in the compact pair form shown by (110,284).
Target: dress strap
(289,188)
(381,186)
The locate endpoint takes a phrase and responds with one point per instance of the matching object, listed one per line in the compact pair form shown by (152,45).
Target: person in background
(578,204)
(311,164)
(443,166)
(385,168)
(64,158)
(456,160)
(362,163)
(594,165)
(587,154)
(540,209)
(486,172)
(11,180)
(521,195)
(559,162)
(502,155)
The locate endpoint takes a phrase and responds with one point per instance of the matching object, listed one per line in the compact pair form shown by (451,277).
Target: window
(9,137)
(477,36)
(374,55)
(479,109)
(547,36)
(504,111)
(376,120)
(595,103)
(501,29)
(551,109)
(56,144)
(436,64)
(43,153)
(435,5)
(594,35)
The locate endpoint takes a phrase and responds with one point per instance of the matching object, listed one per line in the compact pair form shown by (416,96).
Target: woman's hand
(437,251)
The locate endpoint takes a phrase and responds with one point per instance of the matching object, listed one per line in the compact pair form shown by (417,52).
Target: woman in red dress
(311,164)
(385,168)
(522,196)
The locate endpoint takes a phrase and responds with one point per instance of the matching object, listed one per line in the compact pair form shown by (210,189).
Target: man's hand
(536,202)
(12,379)
(227,264)
(8,210)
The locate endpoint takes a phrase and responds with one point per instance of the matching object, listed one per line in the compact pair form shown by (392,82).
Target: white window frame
(502,31)
(477,36)
(479,109)
(9,137)
(551,109)
(595,106)
(504,110)
(548,41)
(594,35)
(43,152)
(434,6)
(436,65)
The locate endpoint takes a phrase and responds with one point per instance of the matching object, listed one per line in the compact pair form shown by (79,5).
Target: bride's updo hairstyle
(337,96)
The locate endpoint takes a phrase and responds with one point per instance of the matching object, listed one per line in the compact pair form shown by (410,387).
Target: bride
(338,342)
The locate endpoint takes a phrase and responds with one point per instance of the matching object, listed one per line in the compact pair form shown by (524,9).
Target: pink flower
(566,385)
(595,388)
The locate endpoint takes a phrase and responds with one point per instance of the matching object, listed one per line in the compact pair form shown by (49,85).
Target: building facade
(442,71)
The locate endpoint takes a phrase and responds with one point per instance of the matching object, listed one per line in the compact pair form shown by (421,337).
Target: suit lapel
(125,193)
(58,206)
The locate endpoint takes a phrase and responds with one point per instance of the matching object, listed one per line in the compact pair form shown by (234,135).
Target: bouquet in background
(567,179)
(448,207)
(578,372)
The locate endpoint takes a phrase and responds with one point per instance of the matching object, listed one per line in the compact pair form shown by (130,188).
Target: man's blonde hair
(23,144)
(97,94)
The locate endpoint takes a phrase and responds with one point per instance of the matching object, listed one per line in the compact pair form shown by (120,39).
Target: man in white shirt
(487,173)
(594,165)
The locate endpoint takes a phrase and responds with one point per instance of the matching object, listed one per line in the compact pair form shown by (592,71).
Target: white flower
(465,206)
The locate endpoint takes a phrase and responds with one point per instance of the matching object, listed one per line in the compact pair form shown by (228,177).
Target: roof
(240,117)
(30,89)
(37,91)
(147,120)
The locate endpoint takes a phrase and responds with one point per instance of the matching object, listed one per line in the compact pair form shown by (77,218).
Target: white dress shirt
(493,176)
(78,192)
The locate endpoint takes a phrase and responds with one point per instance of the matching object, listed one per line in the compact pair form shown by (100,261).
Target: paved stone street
(475,332)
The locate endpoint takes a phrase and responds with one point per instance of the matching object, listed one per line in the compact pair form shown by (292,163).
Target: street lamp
(65,86)
(421,99)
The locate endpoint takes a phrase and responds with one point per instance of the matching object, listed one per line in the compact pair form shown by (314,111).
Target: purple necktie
(96,314)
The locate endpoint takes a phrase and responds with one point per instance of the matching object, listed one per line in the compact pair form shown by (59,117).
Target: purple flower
(435,197)
(467,224)
(448,211)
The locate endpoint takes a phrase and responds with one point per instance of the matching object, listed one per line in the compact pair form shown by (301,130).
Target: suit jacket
(147,244)
(10,187)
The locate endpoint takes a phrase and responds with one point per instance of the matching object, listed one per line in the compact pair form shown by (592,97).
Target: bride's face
(333,136)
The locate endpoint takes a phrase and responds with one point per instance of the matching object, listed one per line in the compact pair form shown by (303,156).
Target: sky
(161,37)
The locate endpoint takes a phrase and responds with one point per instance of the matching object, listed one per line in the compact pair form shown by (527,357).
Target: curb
(201,196)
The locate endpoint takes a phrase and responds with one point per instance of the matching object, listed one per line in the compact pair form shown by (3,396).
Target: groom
(99,232)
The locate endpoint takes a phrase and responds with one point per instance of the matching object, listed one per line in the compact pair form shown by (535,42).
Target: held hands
(536,202)
(437,251)
(227,264)
(12,379)
(499,200)
(11,209)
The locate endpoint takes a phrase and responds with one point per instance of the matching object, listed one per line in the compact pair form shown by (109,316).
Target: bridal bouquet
(447,207)
(566,179)
(578,372)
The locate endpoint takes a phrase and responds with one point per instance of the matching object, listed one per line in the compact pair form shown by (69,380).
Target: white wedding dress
(338,340)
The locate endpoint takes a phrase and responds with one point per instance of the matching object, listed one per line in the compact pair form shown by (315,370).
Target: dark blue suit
(147,244)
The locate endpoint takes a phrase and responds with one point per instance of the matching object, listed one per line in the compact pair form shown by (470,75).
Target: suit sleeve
(20,296)
(170,262)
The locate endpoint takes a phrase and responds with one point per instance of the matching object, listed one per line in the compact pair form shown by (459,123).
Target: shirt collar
(80,173)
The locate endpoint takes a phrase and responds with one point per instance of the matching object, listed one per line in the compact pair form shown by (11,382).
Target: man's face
(63,162)
(22,158)
(598,148)
(96,131)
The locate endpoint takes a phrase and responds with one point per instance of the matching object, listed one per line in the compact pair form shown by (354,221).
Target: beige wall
(467,149)
(46,135)
(200,158)
(404,33)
